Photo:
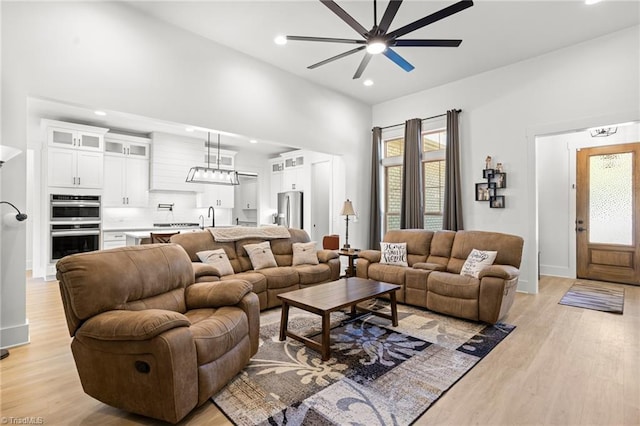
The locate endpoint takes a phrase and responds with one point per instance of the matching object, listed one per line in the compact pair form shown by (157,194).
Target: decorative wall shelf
(496,179)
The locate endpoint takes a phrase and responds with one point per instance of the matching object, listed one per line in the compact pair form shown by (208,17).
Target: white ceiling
(494,34)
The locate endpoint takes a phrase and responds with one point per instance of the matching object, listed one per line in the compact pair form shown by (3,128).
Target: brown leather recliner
(146,338)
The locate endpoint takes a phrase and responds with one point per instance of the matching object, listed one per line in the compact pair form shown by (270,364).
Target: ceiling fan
(378,40)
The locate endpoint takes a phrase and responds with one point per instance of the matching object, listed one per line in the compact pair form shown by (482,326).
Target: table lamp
(347,210)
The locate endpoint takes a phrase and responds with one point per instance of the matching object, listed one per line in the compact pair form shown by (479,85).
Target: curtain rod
(428,118)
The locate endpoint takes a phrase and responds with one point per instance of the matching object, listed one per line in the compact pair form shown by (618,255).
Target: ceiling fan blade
(434,17)
(333,58)
(399,60)
(389,14)
(363,65)
(345,17)
(435,43)
(326,39)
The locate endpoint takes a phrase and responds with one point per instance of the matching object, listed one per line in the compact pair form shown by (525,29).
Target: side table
(351,255)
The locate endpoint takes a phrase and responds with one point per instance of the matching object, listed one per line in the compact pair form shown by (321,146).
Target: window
(433,175)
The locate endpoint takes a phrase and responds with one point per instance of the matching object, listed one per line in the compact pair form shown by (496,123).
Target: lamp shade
(347,209)
(7,153)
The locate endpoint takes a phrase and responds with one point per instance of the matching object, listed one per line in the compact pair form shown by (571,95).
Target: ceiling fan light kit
(379,40)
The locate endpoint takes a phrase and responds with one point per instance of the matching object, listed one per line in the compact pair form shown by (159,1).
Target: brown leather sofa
(267,283)
(146,338)
(432,279)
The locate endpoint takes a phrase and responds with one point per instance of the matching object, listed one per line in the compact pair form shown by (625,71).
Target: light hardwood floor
(562,365)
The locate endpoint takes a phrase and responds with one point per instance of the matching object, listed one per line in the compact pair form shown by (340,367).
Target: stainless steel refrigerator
(290,209)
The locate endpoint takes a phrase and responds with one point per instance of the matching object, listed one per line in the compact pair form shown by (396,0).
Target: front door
(608,213)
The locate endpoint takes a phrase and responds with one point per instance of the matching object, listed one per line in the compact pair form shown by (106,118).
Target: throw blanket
(241,232)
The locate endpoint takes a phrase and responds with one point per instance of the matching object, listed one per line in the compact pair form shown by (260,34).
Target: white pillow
(393,254)
(477,261)
(218,259)
(260,255)
(304,254)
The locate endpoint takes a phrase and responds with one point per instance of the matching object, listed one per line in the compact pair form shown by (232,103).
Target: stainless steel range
(75,224)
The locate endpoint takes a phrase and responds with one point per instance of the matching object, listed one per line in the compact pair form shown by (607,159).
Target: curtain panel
(375,224)
(412,206)
(452,211)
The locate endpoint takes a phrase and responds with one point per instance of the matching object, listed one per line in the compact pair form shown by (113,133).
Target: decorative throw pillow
(260,255)
(218,259)
(477,261)
(393,254)
(304,254)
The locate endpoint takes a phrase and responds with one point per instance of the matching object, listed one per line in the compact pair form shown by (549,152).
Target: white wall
(585,85)
(107,55)
(556,174)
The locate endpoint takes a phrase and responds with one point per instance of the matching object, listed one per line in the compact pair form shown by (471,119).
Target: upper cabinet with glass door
(125,145)
(74,136)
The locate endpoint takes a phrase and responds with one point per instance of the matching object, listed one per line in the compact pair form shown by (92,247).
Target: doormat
(377,374)
(594,296)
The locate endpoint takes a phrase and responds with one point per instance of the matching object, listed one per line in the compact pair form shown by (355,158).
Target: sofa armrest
(216,294)
(373,256)
(324,256)
(203,269)
(506,272)
(251,307)
(429,266)
(131,325)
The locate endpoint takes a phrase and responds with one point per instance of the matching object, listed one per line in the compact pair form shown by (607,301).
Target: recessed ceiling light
(368,82)
(589,2)
(189,129)
(281,40)
(100,113)
(253,141)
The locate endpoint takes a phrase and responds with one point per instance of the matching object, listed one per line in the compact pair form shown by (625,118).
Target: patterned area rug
(378,374)
(596,297)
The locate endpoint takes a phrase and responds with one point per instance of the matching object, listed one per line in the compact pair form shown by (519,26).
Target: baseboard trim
(16,335)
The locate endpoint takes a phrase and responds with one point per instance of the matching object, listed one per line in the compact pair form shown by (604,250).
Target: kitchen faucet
(201,223)
(212,214)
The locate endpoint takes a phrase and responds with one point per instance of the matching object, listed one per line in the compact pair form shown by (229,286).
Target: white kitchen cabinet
(293,179)
(61,134)
(72,168)
(216,196)
(227,158)
(293,161)
(113,239)
(130,146)
(275,182)
(126,171)
(126,181)
(290,171)
(248,194)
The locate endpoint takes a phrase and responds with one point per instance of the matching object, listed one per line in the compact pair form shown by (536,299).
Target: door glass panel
(113,147)
(611,199)
(65,138)
(91,141)
(138,150)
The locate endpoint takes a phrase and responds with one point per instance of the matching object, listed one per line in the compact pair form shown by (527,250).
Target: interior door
(608,211)
(320,180)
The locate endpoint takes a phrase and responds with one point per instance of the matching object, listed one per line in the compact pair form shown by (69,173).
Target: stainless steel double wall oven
(75,224)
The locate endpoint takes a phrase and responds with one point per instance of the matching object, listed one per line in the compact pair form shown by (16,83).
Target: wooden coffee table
(326,298)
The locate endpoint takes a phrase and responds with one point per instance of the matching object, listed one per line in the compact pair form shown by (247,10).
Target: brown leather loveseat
(432,278)
(269,282)
(146,338)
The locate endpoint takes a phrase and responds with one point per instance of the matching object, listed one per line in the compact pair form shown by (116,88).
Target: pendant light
(215,176)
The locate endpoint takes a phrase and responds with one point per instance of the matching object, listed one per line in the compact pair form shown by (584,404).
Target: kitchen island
(135,238)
